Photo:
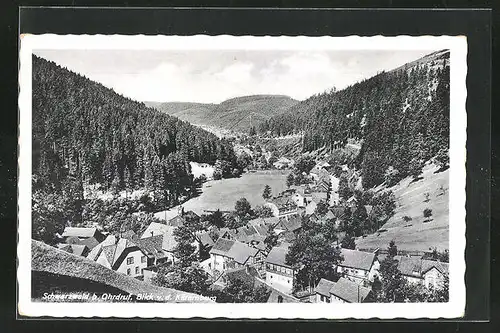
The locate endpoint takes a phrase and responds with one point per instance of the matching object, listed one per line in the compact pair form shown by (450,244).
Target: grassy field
(416,234)
(222,194)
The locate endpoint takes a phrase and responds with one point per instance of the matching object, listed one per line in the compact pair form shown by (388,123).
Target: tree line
(85,133)
(401,117)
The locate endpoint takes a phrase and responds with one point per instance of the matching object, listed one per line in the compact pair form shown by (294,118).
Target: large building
(278,274)
(282,206)
(429,273)
(129,257)
(342,291)
(229,254)
(358,266)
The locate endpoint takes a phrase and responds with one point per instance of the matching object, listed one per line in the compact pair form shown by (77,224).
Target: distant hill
(235,114)
(400,118)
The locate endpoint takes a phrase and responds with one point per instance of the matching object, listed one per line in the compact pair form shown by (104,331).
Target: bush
(427,213)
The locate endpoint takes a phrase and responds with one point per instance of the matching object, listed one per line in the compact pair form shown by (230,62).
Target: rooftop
(277,256)
(79,232)
(417,267)
(324,286)
(349,291)
(357,259)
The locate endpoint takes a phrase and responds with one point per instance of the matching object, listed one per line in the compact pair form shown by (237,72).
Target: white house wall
(137,255)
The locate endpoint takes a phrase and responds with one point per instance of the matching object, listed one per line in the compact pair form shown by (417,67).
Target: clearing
(416,234)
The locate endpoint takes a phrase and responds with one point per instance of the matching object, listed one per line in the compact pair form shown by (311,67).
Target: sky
(212,76)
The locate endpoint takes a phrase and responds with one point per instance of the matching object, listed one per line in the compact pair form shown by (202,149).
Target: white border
(458,117)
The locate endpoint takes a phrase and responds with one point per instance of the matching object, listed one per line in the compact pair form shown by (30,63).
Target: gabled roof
(154,229)
(277,256)
(79,232)
(417,267)
(176,221)
(318,196)
(205,239)
(77,249)
(324,286)
(246,274)
(222,246)
(235,250)
(151,246)
(240,252)
(357,259)
(290,223)
(349,291)
(277,296)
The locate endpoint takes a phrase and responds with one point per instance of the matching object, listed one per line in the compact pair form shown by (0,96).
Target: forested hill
(237,114)
(401,117)
(84,132)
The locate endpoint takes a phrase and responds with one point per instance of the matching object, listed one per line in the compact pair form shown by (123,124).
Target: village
(256,250)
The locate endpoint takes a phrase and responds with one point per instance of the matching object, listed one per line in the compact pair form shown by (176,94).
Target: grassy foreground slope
(416,234)
(56,263)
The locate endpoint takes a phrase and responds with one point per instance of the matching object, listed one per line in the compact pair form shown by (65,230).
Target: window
(280,299)
(136,269)
(128,271)
(143,259)
(130,260)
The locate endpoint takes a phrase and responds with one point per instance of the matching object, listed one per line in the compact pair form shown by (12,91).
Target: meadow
(222,194)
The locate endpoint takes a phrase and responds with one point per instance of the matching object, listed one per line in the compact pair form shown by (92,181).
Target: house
(291,224)
(283,163)
(358,265)
(264,221)
(168,242)
(247,274)
(347,291)
(316,198)
(82,233)
(276,296)
(322,291)
(282,206)
(227,254)
(278,274)
(124,257)
(302,196)
(181,217)
(429,273)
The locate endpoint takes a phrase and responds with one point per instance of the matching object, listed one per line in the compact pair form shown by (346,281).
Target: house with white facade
(228,254)
(358,266)
(429,273)
(279,275)
(128,257)
(168,243)
(282,206)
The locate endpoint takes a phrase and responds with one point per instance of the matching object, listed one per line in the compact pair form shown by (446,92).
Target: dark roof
(73,240)
(205,239)
(246,274)
(176,221)
(152,246)
(277,256)
(154,229)
(349,291)
(76,249)
(324,286)
(357,259)
(222,246)
(90,242)
(417,267)
(275,295)
(240,252)
(291,223)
